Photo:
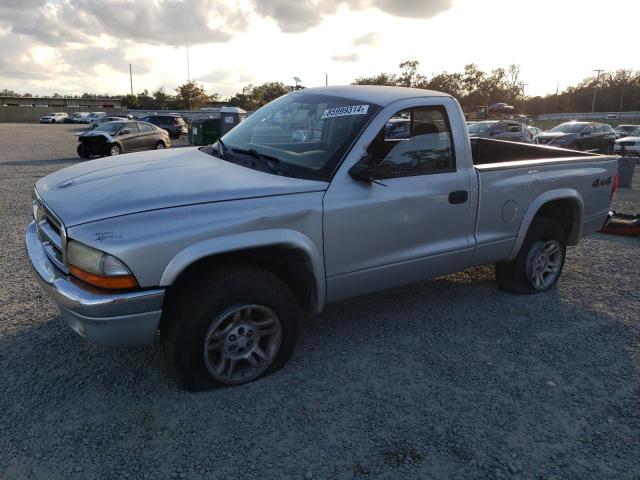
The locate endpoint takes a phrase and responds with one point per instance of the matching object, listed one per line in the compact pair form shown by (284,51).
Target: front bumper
(103,317)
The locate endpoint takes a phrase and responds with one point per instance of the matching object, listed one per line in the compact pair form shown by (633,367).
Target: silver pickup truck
(309,201)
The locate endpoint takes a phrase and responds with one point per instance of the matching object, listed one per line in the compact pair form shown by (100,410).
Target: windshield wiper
(223,149)
(266,160)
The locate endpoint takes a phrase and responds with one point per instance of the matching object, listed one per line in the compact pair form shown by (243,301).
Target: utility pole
(131,79)
(621,98)
(595,90)
(326,79)
(188,71)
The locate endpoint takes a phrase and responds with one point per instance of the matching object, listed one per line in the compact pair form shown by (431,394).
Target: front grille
(51,233)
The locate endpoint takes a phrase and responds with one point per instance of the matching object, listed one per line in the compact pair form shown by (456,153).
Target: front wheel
(115,150)
(539,263)
(237,326)
(83,151)
(160,146)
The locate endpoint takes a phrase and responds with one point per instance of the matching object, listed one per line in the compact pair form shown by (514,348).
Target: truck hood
(153,180)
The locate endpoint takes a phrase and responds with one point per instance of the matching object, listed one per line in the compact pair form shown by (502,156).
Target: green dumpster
(204,131)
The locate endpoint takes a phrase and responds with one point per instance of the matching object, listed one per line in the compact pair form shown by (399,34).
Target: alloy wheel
(544,263)
(241,343)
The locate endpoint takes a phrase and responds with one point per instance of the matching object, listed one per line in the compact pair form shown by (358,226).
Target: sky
(76,46)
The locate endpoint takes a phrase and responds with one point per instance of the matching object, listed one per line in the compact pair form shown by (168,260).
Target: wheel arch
(563,205)
(289,254)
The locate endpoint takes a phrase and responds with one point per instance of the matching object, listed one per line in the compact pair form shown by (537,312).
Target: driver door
(413,224)
(129,137)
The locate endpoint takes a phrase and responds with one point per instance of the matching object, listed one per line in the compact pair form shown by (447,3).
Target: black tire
(83,151)
(194,308)
(160,145)
(515,276)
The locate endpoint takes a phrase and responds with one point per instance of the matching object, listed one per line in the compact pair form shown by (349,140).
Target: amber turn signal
(119,282)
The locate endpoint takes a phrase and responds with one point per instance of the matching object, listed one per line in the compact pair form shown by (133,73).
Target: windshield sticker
(344,111)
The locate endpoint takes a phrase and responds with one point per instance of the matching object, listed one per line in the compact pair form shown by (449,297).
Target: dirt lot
(449,378)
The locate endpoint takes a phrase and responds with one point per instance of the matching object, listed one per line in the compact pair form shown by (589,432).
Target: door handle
(459,196)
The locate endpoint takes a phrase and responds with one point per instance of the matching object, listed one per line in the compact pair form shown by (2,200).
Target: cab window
(426,148)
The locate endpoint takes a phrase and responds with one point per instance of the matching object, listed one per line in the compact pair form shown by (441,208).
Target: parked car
(54,117)
(585,136)
(625,130)
(72,118)
(534,131)
(501,130)
(398,128)
(82,118)
(221,248)
(501,108)
(629,145)
(101,120)
(114,138)
(174,124)
(92,117)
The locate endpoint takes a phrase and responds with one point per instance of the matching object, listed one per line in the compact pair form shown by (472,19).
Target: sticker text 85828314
(344,111)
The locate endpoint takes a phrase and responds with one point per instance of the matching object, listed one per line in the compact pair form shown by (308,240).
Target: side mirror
(124,132)
(362,172)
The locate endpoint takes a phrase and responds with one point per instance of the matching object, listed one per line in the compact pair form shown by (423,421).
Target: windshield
(110,127)
(481,127)
(568,128)
(627,128)
(307,133)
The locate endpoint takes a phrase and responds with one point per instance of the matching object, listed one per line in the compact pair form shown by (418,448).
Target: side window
(146,128)
(499,128)
(132,127)
(588,130)
(414,142)
(515,128)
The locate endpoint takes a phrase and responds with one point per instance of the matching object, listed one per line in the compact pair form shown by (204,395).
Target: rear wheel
(232,328)
(114,150)
(539,263)
(160,145)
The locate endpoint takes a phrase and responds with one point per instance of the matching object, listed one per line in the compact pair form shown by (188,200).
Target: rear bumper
(108,318)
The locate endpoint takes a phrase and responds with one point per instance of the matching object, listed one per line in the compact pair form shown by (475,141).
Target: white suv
(54,117)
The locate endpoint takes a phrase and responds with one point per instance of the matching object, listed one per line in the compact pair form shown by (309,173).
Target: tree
(191,95)
(161,99)
(252,98)
(8,93)
(380,79)
(409,76)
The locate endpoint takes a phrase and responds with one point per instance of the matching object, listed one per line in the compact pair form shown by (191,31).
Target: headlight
(98,268)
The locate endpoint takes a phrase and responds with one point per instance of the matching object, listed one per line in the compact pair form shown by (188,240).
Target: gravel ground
(449,378)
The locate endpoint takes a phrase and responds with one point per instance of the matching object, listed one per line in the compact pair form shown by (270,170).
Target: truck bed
(486,151)
(514,178)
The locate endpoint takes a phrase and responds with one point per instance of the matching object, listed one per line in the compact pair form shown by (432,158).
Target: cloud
(162,22)
(116,58)
(353,57)
(237,75)
(295,16)
(370,39)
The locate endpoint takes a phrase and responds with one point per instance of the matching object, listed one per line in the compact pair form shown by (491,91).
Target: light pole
(595,90)
(131,79)
(326,79)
